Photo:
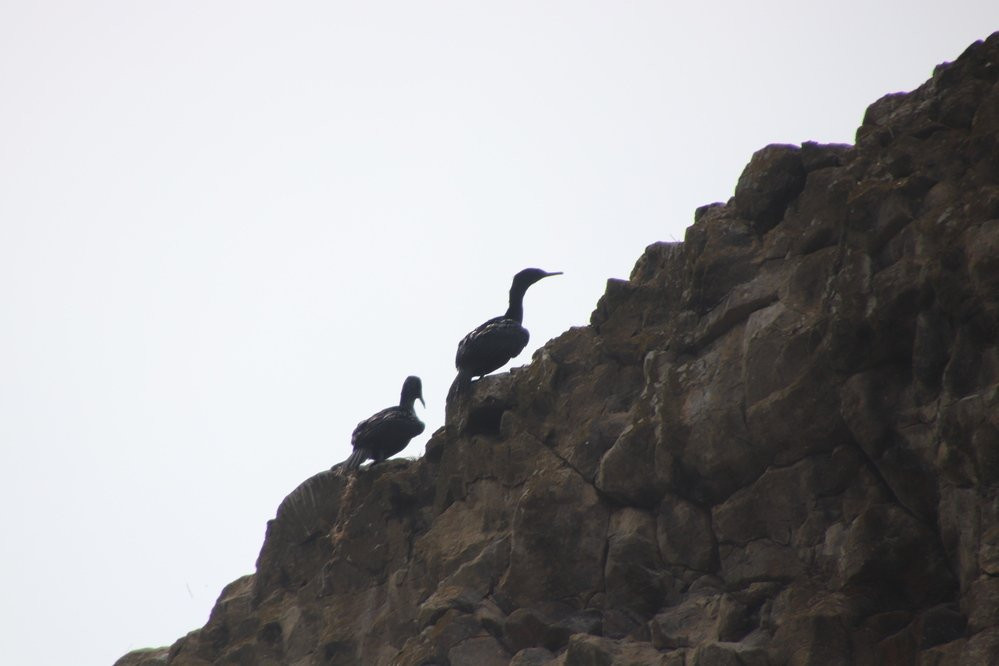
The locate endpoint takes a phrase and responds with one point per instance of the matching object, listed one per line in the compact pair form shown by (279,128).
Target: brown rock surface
(777,443)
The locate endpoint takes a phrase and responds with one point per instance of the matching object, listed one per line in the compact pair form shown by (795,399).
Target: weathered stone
(491,617)
(761,560)
(586,650)
(627,471)
(445,599)
(988,554)
(685,535)
(769,182)
(294,542)
(982,604)
(942,655)
(478,651)
(899,648)
(777,348)
(888,551)
(773,507)
(982,648)
(721,250)
(558,523)
(960,531)
(705,430)
(697,620)
(798,420)
(145,657)
(532,657)
(633,575)
(940,624)
(776,443)
(814,639)
(525,628)
(728,654)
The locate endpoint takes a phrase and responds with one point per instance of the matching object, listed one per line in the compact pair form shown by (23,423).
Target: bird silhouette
(498,340)
(387,432)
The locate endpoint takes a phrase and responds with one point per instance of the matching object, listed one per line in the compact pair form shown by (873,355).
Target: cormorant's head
(412,389)
(528,276)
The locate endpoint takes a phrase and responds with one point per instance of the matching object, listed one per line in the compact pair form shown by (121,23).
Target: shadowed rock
(776,443)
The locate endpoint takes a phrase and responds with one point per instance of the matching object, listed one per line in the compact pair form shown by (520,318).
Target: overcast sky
(229,230)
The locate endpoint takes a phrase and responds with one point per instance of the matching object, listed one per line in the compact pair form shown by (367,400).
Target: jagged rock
(525,628)
(891,555)
(627,471)
(478,651)
(532,657)
(982,648)
(982,603)
(699,620)
(776,443)
(634,579)
(814,639)
(145,657)
(940,624)
(685,536)
(728,654)
(559,522)
(769,182)
(586,650)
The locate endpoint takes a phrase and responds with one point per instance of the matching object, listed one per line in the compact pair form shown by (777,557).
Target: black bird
(498,340)
(388,432)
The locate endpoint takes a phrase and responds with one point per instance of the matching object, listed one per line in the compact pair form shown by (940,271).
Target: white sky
(228,231)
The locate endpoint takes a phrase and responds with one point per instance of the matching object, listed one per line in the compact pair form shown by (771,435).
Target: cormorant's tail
(459,385)
(354,461)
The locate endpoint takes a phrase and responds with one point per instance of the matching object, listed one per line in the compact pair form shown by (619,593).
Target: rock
(982,648)
(479,651)
(145,657)
(982,603)
(698,620)
(814,639)
(558,523)
(761,560)
(525,628)
(888,551)
(627,471)
(532,657)
(777,442)
(942,655)
(595,651)
(939,625)
(728,654)
(633,575)
(685,536)
(769,182)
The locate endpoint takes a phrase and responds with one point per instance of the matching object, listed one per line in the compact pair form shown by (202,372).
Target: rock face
(777,443)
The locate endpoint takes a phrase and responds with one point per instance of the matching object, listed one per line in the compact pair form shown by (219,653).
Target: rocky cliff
(776,443)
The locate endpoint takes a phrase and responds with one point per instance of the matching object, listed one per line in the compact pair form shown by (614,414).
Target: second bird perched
(387,432)
(498,340)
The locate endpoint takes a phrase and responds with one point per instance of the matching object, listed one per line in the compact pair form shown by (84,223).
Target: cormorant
(388,432)
(498,340)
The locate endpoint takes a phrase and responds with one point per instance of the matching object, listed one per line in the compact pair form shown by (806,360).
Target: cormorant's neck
(408,400)
(516,309)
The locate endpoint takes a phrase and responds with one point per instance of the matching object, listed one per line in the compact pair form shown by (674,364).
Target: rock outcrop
(776,443)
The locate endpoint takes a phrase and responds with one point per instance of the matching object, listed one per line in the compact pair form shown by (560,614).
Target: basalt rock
(777,443)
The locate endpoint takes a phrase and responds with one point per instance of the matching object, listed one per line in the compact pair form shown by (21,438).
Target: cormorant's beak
(421,401)
(551,274)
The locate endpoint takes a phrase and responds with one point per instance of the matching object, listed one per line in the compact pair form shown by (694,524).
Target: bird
(498,340)
(387,432)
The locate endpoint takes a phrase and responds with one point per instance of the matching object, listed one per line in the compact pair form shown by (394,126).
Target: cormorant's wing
(490,346)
